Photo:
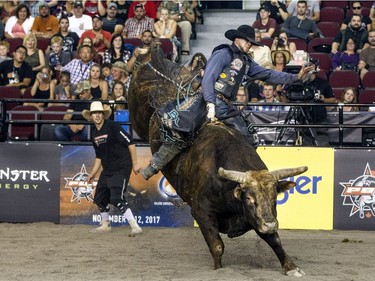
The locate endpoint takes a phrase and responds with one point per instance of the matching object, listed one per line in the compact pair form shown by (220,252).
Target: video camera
(302,91)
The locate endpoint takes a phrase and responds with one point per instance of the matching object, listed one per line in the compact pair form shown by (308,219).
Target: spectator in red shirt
(265,24)
(100,37)
(149,7)
(94,7)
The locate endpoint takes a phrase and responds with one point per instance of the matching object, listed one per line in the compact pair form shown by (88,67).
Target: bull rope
(184,89)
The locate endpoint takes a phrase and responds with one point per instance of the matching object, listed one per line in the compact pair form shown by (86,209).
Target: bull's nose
(270,227)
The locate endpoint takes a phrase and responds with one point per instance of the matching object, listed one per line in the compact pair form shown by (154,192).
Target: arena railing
(341,125)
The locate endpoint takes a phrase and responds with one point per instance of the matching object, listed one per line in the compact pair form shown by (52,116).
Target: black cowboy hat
(245,32)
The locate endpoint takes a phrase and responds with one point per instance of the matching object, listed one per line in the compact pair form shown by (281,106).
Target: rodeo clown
(226,70)
(116,153)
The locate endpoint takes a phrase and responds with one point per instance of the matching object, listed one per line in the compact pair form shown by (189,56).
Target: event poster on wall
(29,182)
(153,202)
(354,189)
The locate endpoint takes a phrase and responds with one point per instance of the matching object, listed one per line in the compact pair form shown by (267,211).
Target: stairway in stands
(216,23)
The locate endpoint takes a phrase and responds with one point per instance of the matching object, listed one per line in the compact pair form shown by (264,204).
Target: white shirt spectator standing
(79,23)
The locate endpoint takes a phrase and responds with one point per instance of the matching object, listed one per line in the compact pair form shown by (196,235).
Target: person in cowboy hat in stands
(116,154)
(224,74)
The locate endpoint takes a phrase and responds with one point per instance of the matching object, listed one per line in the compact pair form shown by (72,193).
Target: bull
(221,177)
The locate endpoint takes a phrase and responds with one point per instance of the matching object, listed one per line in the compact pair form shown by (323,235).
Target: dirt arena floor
(45,251)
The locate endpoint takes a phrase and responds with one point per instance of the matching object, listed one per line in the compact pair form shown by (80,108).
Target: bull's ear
(237,192)
(284,186)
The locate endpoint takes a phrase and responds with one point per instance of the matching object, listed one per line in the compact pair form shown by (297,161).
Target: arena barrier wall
(337,192)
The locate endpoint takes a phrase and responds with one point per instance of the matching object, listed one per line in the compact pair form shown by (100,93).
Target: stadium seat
(10,93)
(23,131)
(133,41)
(320,45)
(336,4)
(43,43)
(322,74)
(300,43)
(13,43)
(51,113)
(338,92)
(267,42)
(343,79)
(167,47)
(324,61)
(369,80)
(367,96)
(329,29)
(332,14)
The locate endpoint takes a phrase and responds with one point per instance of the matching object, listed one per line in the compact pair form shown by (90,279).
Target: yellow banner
(309,205)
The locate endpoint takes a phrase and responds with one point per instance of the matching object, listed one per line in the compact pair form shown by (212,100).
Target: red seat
(324,61)
(43,43)
(133,41)
(369,80)
(332,14)
(317,44)
(367,96)
(267,42)
(336,4)
(300,43)
(23,131)
(343,79)
(54,112)
(329,29)
(13,44)
(167,47)
(338,92)
(10,93)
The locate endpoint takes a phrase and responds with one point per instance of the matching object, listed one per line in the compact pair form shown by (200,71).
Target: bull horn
(232,175)
(284,173)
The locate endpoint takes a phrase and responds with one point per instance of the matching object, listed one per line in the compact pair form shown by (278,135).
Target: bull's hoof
(297,272)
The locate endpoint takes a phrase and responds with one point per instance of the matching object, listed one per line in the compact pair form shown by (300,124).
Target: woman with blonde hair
(99,87)
(34,57)
(166,27)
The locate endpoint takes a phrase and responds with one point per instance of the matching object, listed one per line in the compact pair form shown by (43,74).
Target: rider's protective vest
(232,75)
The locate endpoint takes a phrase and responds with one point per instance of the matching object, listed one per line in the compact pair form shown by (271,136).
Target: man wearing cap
(119,72)
(45,25)
(135,26)
(79,22)
(116,153)
(225,71)
(265,24)
(111,23)
(100,37)
(69,131)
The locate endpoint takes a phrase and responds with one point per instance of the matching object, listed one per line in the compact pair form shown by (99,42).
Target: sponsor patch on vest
(223,75)
(219,86)
(237,64)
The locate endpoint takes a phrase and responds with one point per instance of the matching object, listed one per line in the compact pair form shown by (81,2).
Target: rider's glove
(211,112)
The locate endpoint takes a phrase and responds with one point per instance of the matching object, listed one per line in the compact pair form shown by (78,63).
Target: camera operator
(323,94)
(282,43)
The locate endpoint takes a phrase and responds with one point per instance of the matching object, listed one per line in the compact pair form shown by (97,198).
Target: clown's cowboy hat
(96,106)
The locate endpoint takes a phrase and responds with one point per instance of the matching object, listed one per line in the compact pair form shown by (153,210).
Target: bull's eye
(250,199)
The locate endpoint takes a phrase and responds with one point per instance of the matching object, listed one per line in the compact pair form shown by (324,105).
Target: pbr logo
(359,193)
(80,187)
